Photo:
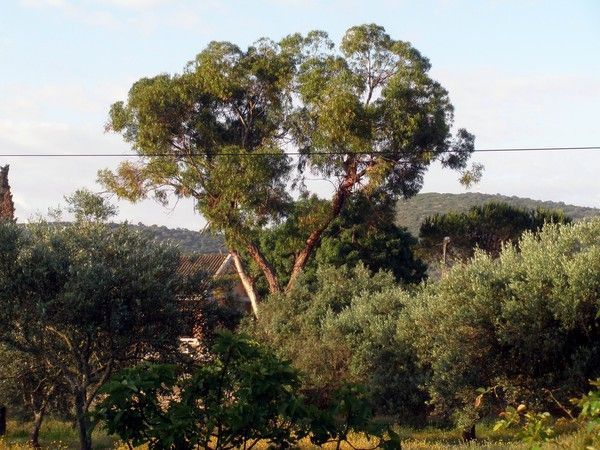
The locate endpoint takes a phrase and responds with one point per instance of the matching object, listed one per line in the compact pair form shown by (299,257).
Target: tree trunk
(337,203)
(34,437)
(7,207)
(469,434)
(264,265)
(2,420)
(39,399)
(246,281)
(83,426)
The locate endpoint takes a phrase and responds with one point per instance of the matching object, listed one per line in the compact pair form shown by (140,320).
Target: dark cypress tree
(7,207)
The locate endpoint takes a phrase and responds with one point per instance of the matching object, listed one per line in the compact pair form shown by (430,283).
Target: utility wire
(372,152)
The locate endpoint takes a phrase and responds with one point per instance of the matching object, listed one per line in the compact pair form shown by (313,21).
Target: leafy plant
(487,227)
(524,321)
(365,115)
(84,300)
(364,232)
(534,427)
(590,406)
(243,395)
(348,317)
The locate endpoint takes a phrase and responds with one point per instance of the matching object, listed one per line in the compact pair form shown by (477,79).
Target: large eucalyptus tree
(241,130)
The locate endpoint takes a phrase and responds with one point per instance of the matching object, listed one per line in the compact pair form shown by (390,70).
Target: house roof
(214,264)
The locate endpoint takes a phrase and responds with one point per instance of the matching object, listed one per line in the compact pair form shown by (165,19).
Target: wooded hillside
(187,240)
(410,213)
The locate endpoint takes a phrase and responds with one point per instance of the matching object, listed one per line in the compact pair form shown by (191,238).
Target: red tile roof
(209,263)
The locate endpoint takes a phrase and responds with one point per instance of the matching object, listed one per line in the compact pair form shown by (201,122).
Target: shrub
(486,226)
(84,300)
(341,328)
(516,325)
(242,396)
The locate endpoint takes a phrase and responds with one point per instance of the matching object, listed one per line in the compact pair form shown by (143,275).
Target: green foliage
(27,385)
(521,323)
(364,232)
(589,406)
(534,427)
(487,227)
(241,396)
(347,317)
(411,212)
(86,299)
(87,206)
(187,241)
(219,131)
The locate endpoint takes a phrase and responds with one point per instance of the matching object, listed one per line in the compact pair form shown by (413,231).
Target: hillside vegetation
(411,213)
(188,241)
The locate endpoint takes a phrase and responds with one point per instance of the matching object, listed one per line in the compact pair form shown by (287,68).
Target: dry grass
(61,436)
(54,435)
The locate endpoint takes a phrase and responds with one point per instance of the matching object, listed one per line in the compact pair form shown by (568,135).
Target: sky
(523,73)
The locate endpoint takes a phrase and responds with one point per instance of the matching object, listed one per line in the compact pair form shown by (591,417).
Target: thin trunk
(83,426)
(337,203)
(38,417)
(266,268)
(7,206)
(246,281)
(2,420)
(39,407)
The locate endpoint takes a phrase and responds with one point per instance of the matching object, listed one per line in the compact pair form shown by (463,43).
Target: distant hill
(187,240)
(410,213)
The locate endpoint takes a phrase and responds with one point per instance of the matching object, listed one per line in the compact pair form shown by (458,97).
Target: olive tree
(240,131)
(523,326)
(83,300)
(29,389)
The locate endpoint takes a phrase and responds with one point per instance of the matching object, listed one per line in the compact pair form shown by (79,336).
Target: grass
(54,435)
(57,435)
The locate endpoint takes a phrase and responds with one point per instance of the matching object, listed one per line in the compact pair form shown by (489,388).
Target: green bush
(486,226)
(364,232)
(240,396)
(341,328)
(81,301)
(520,325)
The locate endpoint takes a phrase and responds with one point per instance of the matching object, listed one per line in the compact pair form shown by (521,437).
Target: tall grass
(57,435)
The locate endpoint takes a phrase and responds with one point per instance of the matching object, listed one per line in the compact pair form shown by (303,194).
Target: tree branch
(247,281)
(344,190)
(257,255)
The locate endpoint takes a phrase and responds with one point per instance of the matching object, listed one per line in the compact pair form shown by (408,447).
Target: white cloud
(76,11)
(41,182)
(538,109)
(74,102)
(145,15)
(5,41)
(139,4)
(534,110)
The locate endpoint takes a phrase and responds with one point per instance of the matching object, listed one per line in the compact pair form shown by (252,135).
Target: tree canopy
(84,300)
(363,232)
(240,131)
(522,327)
(487,227)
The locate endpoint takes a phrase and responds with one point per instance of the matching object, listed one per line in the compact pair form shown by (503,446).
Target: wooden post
(2,420)
(445,243)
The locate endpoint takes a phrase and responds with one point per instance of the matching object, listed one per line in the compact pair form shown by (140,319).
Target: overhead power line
(372,152)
